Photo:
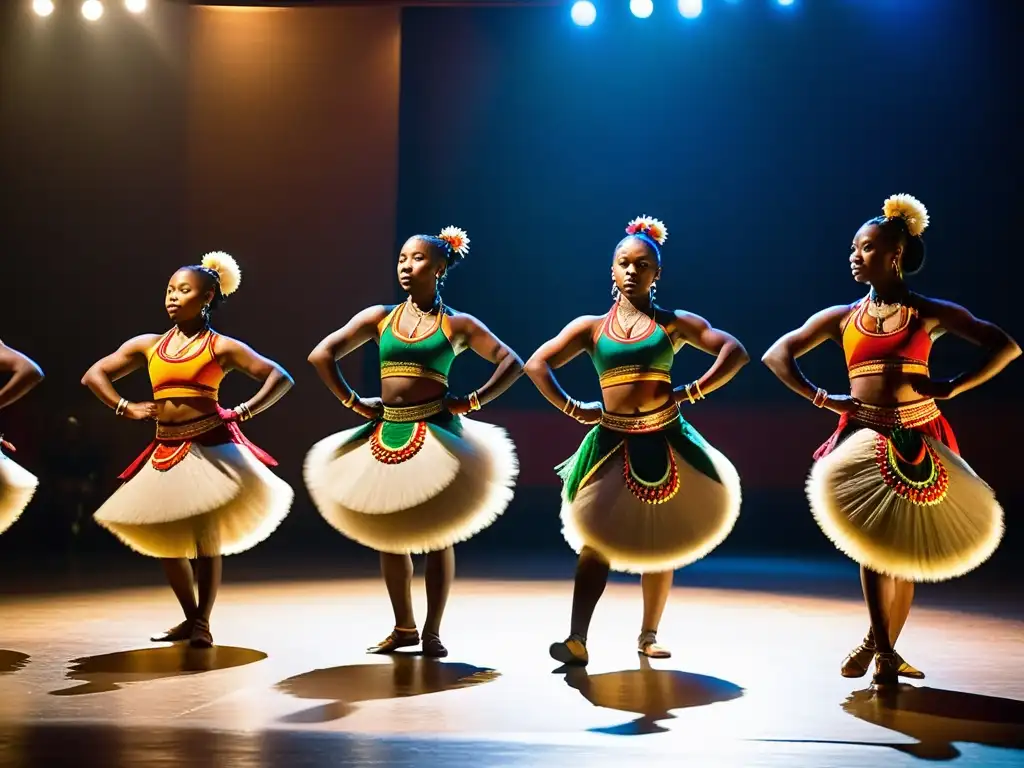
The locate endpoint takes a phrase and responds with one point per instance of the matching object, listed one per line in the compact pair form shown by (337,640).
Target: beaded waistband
(409,413)
(644,422)
(188,429)
(910,415)
(626,374)
(411,371)
(875,367)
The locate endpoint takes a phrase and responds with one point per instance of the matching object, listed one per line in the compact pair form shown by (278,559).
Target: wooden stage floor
(754,682)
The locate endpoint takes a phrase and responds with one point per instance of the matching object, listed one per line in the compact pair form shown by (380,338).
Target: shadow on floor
(650,693)
(937,719)
(12,661)
(102,674)
(404,674)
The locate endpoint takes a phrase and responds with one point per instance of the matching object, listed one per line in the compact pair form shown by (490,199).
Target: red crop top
(905,349)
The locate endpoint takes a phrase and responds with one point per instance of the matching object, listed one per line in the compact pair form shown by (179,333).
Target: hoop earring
(206,314)
(654,289)
(615,291)
(899,270)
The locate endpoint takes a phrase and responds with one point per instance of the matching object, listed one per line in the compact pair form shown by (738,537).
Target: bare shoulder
(142,342)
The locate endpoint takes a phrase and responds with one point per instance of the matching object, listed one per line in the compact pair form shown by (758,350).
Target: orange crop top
(194,372)
(905,349)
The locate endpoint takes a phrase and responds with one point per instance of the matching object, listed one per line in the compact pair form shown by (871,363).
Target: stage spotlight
(92,9)
(42,7)
(583,13)
(690,9)
(785,2)
(135,6)
(641,8)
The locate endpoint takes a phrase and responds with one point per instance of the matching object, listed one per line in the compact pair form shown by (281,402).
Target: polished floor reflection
(754,681)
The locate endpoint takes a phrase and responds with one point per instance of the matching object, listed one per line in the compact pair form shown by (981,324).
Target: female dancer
(417,478)
(889,487)
(201,489)
(17,485)
(621,508)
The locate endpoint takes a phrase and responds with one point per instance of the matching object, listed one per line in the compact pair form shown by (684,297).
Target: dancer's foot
(175,634)
(906,670)
(886,670)
(399,638)
(201,635)
(433,647)
(859,659)
(647,645)
(572,651)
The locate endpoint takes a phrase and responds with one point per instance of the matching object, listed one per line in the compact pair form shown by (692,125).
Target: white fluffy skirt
(219,500)
(17,486)
(452,488)
(953,526)
(635,536)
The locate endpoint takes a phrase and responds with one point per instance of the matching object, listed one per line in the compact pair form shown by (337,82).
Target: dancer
(201,490)
(622,507)
(17,485)
(889,487)
(418,478)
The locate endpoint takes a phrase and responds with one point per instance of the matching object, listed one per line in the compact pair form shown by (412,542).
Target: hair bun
(227,268)
(457,240)
(648,225)
(910,209)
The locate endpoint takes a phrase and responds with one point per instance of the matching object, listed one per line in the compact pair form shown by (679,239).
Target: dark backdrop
(763,137)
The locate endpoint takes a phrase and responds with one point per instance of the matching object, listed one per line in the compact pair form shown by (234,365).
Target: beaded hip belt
(188,429)
(909,416)
(413,412)
(644,422)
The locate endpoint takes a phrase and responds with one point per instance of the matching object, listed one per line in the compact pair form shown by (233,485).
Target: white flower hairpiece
(227,268)
(457,240)
(648,225)
(910,209)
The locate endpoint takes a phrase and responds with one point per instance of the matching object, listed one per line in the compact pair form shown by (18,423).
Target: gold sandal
(571,651)
(857,662)
(400,637)
(647,645)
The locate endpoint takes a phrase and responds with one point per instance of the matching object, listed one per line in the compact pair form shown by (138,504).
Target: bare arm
(350,337)
(781,357)
(129,357)
(25,374)
(729,354)
(233,355)
(573,340)
(1000,349)
(509,366)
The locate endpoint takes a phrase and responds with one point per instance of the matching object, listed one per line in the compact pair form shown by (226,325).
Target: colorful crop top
(193,372)
(428,356)
(621,360)
(905,349)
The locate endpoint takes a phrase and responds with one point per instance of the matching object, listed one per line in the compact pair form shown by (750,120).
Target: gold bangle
(474,401)
(242,409)
(820,398)
(696,385)
(122,406)
(689,395)
(350,399)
